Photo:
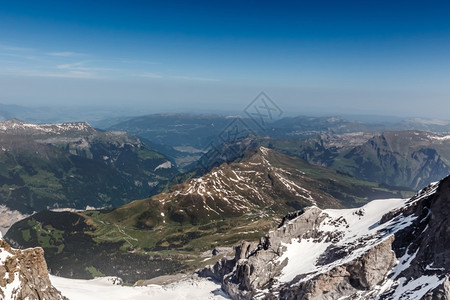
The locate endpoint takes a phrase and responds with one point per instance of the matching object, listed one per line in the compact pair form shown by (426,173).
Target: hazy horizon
(321,58)
(96,114)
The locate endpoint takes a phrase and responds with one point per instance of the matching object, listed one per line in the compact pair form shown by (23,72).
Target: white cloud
(21,56)
(79,66)
(151,75)
(191,78)
(134,61)
(70,66)
(65,54)
(59,64)
(194,78)
(14,48)
(70,74)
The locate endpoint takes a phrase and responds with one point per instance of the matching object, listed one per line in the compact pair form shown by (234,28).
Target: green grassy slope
(36,176)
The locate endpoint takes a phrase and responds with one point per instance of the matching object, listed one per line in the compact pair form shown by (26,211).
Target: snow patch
(11,289)
(165,165)
(441,138)
(302,256)
(99,289)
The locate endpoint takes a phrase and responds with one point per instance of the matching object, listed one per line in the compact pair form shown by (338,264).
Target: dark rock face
(425,242)
(437,237)
(406,257)
(23,275)
(442,292)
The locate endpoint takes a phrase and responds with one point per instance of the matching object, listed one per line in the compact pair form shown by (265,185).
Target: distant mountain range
(187,137)
(198,131)
(400,158)
(103,117)
(72,165)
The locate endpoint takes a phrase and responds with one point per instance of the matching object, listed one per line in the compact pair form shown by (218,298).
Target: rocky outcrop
(361,274)
(23,275)
(252,266)
(389,249)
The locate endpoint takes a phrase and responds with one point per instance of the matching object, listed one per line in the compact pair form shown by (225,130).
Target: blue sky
(329,57)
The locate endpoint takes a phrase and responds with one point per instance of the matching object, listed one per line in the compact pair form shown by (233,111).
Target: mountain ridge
(401,158)
(17,126)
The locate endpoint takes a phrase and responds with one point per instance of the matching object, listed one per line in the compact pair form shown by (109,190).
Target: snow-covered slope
(351,230)
(387,249)
(103,289)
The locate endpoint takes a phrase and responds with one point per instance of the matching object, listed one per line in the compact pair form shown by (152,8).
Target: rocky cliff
(387,249)
(23,275)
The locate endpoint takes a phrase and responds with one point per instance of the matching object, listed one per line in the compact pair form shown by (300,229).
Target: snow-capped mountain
(77,137)
(15,126)
(262,181)
(240,188)
(387,249)
(23,275)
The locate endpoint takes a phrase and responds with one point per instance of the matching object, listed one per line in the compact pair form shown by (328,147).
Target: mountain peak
(264,151)
(14,121)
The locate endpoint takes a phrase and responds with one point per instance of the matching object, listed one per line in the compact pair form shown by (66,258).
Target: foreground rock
(23,275)
(388,249)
